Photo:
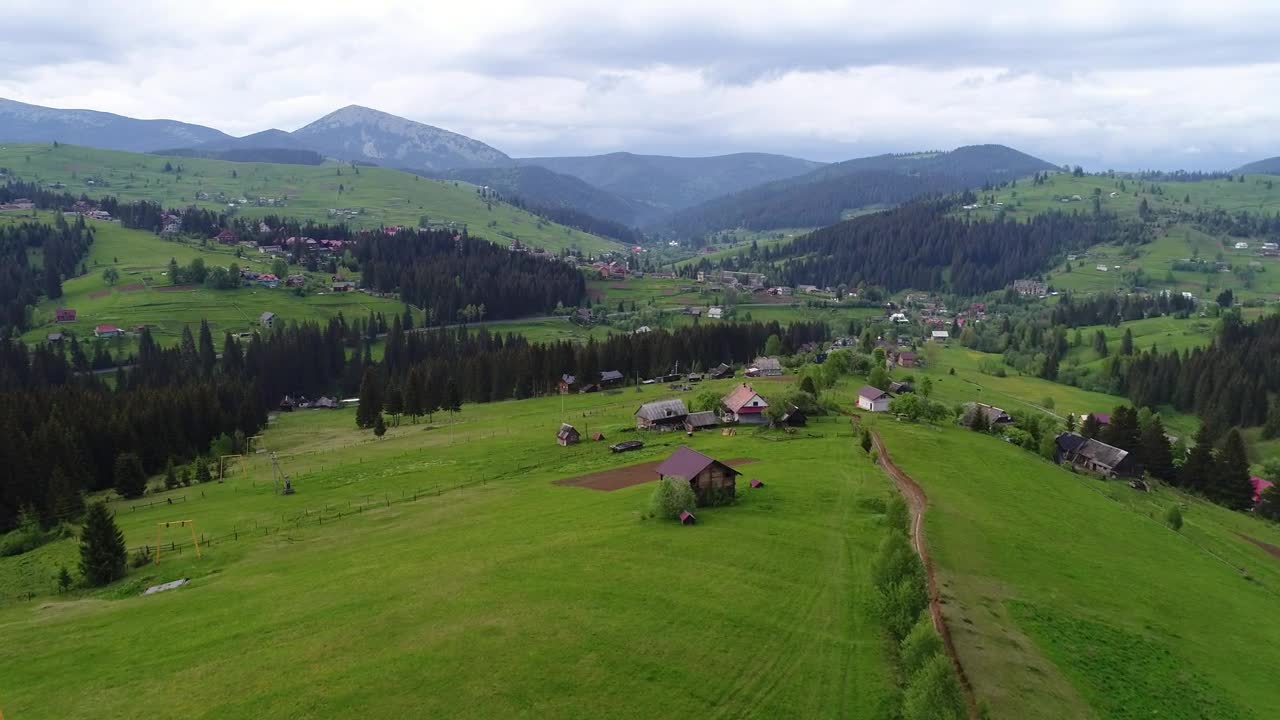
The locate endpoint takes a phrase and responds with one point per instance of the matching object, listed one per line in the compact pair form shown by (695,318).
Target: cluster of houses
(1030,288)
(741,406)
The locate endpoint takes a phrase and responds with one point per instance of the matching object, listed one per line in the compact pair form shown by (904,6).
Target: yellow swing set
(162,526)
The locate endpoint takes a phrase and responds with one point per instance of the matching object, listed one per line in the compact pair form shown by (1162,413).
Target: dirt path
(917,503)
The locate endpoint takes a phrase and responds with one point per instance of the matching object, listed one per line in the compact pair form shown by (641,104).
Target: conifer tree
(202,470)
(1199,465)
(1126,343)
(208,358)
(102,550)
(1156,455)
(1229,483)
(130,480)
(170,476)
(1091,427)
(1271,428)
(370,407)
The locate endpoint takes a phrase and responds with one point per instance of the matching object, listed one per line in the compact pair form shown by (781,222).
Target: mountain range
(612,192)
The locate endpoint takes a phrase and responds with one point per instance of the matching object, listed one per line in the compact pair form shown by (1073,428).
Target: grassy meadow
(511,597)
(1068,598)
(134,301)
(383,196)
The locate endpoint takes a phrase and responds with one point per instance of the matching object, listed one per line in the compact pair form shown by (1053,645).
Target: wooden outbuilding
(687,518)
(567,435)
(713,482)
(756,484)
(661,415)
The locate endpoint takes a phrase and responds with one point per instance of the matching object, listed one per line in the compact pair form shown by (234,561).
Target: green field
(384,197)
(1068,600)
(511,597)
(132,302)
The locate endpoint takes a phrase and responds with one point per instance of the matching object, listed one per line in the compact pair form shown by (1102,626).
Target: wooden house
(720,372)
(567,435)
(267,319)
(661,415)
(64,315)
(996,418)
(794,416)
(609,378)
(765,367)
(107,331)
(713,482)
(568,383)
(1093,456)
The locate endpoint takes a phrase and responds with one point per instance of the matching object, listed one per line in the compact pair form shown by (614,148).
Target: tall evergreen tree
(1122,431)
(208,357)
(1271,428)
(1126,343)
(102,549)
(370,408)
(1199,465)
(1156,455)
(130,480)
(1091,427)
(1229,484)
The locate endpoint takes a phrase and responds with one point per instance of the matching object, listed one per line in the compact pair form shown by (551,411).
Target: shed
(713,482)
(597,436)
(755,483)
(794,416)
(873,399)
(661,415)
(995,416)
(701,421)
(567,435)
(266,319)
(610,377)
(687,518)
(898,387)
(720,372)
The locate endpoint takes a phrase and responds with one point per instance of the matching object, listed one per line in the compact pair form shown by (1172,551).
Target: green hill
(144,296)
(376,196)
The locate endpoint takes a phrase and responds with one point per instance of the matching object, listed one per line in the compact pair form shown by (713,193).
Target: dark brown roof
(871,393)
(687,463)
(706,418)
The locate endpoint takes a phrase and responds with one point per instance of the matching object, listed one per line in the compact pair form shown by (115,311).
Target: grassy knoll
(385,197)
(1068,603)
(131,302)
(512,598)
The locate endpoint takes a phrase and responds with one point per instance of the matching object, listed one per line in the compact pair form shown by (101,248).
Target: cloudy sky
(1125,84)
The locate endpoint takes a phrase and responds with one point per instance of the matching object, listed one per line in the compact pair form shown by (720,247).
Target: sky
(1125,85)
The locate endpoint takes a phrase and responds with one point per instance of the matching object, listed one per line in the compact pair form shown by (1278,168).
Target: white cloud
(1118,84)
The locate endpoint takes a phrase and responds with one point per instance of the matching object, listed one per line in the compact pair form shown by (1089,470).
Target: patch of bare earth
(1272,550)
(624,477)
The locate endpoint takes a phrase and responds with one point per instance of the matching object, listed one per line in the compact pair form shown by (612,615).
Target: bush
(140,557)
(900,605)
(875,456)
(919,646)
(897,515)
(670,498)
(933,693)
(1173,518)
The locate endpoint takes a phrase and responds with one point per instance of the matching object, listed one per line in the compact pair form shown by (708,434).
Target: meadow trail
(917,503)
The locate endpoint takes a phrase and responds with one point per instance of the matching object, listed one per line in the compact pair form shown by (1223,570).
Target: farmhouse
(873,399)
(765,367)
(226,237)
(104,331)
(744,405)
(267,319)
(342,286)
(64,315)
(568,383)
(901,358)
(610,377)
(940,336)
(713,482)
(720,372)
(1093,456)
(701,421)
(715,312)
(996,418)
(661,415)
(567,435)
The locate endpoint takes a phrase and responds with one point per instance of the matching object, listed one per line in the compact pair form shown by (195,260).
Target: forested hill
(923,246)
(550,194)
(822,197)
(670,183)
(1268,166)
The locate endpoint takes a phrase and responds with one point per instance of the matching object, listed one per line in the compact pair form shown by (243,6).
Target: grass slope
(137,254)
(387,197)
(513,598)
(1068,600)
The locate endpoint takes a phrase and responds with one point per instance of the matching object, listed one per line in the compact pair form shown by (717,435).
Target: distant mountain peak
(359,133)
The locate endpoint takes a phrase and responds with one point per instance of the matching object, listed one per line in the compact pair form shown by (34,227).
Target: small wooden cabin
(567,435)
(713,482)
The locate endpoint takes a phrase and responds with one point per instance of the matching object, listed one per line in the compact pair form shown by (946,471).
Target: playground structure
(162,526)
(283,486)
(222,465)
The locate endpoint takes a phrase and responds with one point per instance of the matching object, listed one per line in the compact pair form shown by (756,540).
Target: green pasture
(1067,597)
(502,596)
(383,196)
(144,295)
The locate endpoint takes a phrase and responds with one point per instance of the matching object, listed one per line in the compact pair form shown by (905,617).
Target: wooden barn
(661,415)
(713,482)
(567,435)
(1093,456)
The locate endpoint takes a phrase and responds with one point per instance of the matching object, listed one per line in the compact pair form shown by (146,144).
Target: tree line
(61,247)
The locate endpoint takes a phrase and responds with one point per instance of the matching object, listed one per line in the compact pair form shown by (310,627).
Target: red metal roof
(1259,485)
(686,462)
(737,400)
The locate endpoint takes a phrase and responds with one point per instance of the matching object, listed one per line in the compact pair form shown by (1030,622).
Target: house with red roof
(226,237)
(64,315)
(744,405)
(105,331)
